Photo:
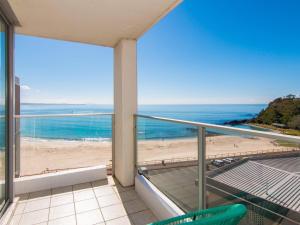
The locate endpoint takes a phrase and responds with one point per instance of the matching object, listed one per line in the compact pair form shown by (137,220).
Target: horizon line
(111,104)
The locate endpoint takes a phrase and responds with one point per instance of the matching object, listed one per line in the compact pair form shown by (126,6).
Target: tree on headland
(284,111)
(295,122)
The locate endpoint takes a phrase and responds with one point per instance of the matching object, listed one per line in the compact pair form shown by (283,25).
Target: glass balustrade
(256,168)
(50,143)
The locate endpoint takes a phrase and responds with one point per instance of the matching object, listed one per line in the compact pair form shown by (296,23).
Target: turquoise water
(98,128)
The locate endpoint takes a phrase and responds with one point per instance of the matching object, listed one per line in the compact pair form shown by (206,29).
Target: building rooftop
(270,187)
(276,180)
(289,164)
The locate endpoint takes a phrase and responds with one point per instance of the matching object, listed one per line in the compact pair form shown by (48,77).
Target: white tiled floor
(101,202)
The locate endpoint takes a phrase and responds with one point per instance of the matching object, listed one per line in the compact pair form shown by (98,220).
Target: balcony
(181,166)
(98,202)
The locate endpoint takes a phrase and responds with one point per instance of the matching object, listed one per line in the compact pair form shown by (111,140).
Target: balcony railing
(49,143)
(199,165)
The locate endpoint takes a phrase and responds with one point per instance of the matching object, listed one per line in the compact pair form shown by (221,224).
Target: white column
(125,106)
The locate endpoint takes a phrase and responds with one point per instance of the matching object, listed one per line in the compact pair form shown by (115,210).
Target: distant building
(290,96)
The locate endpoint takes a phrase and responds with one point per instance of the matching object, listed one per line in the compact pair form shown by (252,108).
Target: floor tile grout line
(99,206)
(22,211)
(61,217)
(107,195)
(33,211)
(122,203)
(14,215)
(117,218)
(108,205)
(82,189)
(61,204)
(51,192)
(46,208)
(74,204)
(115,193)
(84,199)
(23,214)
(129,216)
(36,199)
(19,223)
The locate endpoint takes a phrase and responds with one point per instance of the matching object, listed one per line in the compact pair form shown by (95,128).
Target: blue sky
(203,52)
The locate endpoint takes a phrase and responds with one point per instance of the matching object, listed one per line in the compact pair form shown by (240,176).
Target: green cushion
(222,215)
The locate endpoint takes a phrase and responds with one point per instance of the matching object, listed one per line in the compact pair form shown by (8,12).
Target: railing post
(113,144)
(201,168)
(17,130)
(135,141)
(17,148)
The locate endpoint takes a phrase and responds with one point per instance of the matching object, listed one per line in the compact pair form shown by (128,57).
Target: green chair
(222,215)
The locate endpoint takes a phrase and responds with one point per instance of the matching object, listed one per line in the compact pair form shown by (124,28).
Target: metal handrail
(63,115)
(264,134)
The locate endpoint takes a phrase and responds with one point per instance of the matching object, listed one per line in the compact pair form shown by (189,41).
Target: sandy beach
(42,156)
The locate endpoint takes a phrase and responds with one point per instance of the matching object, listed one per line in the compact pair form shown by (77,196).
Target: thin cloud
(25,87)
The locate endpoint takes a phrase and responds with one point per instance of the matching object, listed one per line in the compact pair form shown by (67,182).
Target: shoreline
(259,127)
(274,129)
(265,127)
(44,156)
(102,140)
(209,134)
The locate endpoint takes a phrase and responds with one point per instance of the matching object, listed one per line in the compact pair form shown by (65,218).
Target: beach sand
(42,156)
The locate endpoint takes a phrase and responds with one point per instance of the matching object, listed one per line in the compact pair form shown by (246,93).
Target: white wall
(160,205)
(59,179)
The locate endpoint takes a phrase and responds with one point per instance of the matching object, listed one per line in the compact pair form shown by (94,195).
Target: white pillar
(125,106)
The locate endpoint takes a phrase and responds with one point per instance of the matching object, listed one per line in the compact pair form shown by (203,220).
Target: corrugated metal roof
(289,164)
(275,180)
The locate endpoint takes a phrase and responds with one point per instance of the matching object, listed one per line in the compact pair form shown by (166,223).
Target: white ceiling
(100,22)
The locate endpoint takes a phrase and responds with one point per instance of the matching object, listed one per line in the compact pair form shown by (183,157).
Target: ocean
(98,128)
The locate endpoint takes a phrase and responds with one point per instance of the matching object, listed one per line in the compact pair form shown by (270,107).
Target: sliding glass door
(3,114)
